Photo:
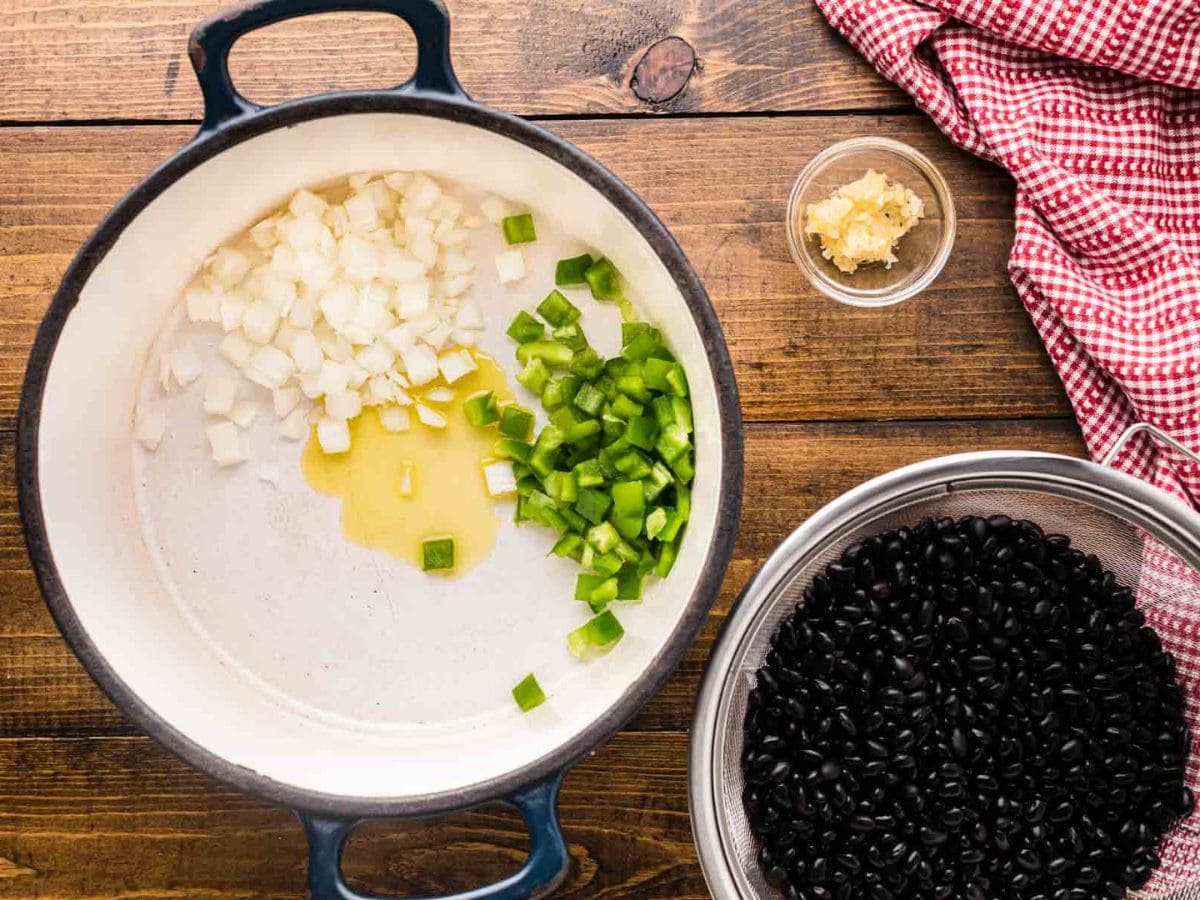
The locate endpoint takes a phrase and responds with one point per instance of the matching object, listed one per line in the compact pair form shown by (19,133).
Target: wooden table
(708,108)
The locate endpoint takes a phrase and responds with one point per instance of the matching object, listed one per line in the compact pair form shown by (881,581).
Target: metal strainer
(1149,539)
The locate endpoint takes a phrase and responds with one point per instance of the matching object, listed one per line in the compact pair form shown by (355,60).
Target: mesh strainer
(1149,539)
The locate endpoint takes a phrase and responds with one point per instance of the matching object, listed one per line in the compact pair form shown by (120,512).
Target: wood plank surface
(791,471)
(118,818)
(963,349)
(126,59)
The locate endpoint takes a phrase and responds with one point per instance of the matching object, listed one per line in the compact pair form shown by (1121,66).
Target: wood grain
(126,59)
(118,818)
(791,471)
(964,349)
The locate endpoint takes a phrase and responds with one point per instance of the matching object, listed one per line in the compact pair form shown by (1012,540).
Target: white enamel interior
(234,609)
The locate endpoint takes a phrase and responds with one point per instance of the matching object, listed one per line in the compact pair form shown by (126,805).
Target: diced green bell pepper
(519,229)
(642,432)
(526,328)
(508,448)
(528,693)
(534,376)
(590,399)
(516,421)
(604,280)
(437,554)
(552,353)
(558,310)
(595,636)
(561,487)
(587,363)
(592,505)
(571,271)
(572,336)
(672,443)
(480,408)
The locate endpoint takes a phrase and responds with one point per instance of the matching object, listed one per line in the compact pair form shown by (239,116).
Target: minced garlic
(863,220)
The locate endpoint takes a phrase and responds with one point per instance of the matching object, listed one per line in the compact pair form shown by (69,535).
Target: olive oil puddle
(449,495)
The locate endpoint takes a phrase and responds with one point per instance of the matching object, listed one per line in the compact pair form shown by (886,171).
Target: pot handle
(212,39)
(546,867)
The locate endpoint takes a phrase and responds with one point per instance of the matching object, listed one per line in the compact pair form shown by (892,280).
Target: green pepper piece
(625,408)
(588,474)
(595,636)
(552,353)
(604,280)
(654,371)
(581,431)
(437,554)
(519,229)
(508,448)
(561,487)
(480,409)
(642,431)
(558,310)
(516,421)
(607,563)
(634,386)
(666,559)
(568,546)
(683,413)
(525,328)
(571,271)
(528,693)
(534,376)
(592,505)
(572,336)
(672,443)
(587,363)
(629,583)
(590,399)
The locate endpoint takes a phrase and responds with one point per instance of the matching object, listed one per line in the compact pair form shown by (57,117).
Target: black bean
(959,709)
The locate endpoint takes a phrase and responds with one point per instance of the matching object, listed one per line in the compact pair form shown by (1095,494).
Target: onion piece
(456,364)
(333,435)
(149,426)
(394,418)
(186,365)
(220,394)
(510,265)
(295,426)
(226,444)
(243,414)
(429,417)
(501,481)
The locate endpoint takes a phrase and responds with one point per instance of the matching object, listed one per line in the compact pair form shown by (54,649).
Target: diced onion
(220,394)
(333,435)
(225,443)
(243,414)
(394,418)
(149,425)
(456,364)
(510,265)
(186,365)
(500,479)
(350,301)
(430,417)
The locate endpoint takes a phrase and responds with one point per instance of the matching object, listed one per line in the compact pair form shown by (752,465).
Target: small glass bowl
(922,252)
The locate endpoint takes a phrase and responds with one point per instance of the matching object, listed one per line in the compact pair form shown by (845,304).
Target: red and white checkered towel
(1091,105)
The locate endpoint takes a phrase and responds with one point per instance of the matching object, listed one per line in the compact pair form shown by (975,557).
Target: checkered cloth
(1090,105)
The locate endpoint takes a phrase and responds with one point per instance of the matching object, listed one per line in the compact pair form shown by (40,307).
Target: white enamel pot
(227,617)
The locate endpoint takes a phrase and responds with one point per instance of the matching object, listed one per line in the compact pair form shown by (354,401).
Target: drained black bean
(964,709)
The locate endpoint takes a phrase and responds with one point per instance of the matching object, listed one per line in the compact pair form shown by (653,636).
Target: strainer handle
(1157,433)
